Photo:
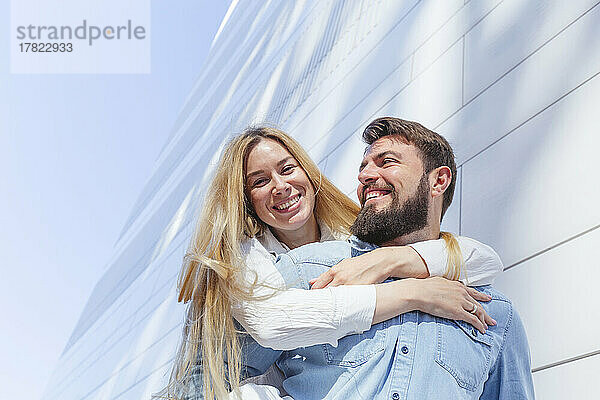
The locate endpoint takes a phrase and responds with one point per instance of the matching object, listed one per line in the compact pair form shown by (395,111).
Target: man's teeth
(372,195)
(288,203)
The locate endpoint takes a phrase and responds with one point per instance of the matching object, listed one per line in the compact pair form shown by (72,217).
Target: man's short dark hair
(435,151)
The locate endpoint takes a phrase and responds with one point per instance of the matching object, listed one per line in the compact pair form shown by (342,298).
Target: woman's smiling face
(278,187)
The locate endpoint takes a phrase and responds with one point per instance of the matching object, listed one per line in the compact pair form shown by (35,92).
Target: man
(406,185)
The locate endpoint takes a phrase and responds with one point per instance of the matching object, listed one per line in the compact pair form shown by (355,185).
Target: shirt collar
(361,246)
(275,247)
(271,244)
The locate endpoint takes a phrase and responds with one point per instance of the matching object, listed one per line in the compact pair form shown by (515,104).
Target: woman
(268,197)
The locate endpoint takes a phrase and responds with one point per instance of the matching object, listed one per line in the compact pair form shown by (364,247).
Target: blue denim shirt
(413,356)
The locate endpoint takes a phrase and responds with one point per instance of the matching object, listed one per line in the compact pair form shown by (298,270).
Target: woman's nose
(281,185)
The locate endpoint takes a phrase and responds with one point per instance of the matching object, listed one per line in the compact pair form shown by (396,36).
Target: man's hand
(452,300)
(374,267)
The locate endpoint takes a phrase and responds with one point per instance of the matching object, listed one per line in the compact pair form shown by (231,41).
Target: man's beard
(395,220)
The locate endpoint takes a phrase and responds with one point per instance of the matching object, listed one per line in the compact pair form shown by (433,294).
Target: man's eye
(387,161)
(288,169)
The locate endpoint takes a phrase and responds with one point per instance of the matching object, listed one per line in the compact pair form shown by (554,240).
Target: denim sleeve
(511,378)
(255,361)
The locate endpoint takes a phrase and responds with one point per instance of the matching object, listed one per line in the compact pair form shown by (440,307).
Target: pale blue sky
(75,152)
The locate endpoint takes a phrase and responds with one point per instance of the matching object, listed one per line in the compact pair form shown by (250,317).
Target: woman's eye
(259,182)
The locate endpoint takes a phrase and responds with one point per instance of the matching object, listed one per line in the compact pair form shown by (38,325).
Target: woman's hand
(452,300)
(374,267)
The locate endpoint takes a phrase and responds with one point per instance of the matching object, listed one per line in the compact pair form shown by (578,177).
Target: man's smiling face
(393,191)
(390,167)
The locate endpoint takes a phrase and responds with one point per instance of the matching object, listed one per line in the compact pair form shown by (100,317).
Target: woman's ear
(440,179)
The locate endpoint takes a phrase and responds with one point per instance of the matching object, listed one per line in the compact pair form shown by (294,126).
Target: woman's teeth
(288,203)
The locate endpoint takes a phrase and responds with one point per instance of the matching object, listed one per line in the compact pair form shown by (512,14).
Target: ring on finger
(474,310)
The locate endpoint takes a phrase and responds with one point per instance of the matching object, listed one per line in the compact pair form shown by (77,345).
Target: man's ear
(440,179)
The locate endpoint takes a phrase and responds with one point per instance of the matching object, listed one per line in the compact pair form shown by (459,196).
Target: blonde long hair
(210,277)
(455,260)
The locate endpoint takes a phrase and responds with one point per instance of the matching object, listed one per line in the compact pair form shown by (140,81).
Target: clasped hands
(437,296)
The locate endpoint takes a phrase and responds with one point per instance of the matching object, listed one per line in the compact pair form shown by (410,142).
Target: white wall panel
(555,296)
(343,163)
(558,67)
(132,392)
(108,364)
(159,353)
(105,391)
(403,26)
(429,98)
(154,382)
(534,188)
(434,95)
(448,34)
(327,140)
(575,380)
(451,221)
(169,269)
(124,381)
(377,79)
(345,107)
(511,32)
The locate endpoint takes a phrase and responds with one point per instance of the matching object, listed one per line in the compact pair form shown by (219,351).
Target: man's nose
(368,174)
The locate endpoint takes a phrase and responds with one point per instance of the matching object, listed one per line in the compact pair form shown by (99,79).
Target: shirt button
(473,332)
(395,396)
(404,350)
